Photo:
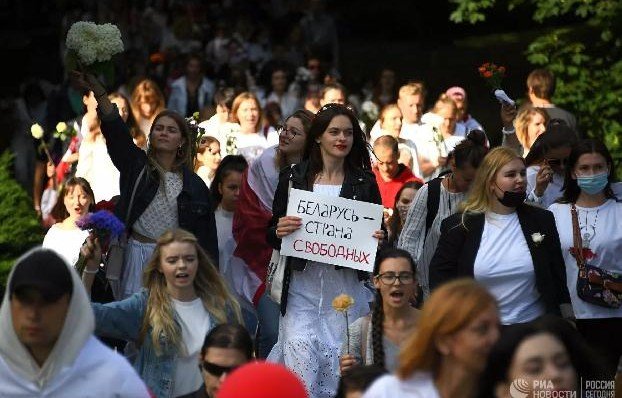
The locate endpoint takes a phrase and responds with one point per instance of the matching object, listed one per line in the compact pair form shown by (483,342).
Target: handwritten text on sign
(334,230)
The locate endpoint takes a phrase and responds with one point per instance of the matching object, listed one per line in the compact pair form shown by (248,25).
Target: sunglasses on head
(216,370)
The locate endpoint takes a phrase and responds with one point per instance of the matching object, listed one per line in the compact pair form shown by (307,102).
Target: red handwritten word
(332,250)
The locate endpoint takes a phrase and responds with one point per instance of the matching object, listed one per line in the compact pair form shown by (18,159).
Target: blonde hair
(443,101)
(479,199)
(449,309)
(522,120)
(412,88)
(247,95)
(208,284)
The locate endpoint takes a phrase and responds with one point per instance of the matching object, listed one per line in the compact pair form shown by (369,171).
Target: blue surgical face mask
(593,184)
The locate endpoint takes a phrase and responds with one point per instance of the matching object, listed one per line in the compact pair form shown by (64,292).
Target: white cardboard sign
(334,230)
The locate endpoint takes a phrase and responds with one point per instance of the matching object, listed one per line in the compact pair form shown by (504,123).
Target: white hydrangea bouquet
(91,47)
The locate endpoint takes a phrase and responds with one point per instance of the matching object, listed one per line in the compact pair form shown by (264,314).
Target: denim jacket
(123,320)
(193,203)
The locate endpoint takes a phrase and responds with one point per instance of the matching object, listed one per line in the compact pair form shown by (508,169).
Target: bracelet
(508,132)
(86,271)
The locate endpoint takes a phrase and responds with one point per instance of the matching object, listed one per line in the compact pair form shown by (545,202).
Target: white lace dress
(311,332)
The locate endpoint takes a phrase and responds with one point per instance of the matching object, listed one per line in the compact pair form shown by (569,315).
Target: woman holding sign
(311,332)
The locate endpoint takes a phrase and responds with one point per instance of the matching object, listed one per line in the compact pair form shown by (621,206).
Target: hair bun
(478,137)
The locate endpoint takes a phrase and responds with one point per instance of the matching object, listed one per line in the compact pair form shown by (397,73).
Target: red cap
(262,380)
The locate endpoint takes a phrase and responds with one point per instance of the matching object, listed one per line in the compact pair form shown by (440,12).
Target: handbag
(276,269)
(595,285)
(115,256)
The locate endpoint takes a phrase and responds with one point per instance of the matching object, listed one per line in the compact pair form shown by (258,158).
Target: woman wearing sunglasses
(546,162)
(226,347)
(375,338)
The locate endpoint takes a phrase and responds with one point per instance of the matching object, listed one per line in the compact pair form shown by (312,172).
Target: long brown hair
(208,284)
(148,91)
(449,309)
(358,158)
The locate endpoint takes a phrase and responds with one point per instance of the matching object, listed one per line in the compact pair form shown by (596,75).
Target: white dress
(65,242)
(311,332)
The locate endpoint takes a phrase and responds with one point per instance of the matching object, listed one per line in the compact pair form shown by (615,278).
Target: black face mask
(512,199)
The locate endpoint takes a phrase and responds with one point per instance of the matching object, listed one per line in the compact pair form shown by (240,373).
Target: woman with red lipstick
(376,338)
(335,162)
(508,246)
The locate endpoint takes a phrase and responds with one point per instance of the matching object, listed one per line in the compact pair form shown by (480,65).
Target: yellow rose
(37,131)
(195,115)
(342,302)
(61,126)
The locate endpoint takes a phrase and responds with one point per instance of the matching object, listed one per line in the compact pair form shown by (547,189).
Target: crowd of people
(497,268)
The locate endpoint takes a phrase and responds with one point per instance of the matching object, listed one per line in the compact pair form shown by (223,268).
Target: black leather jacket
(357,185)
(193,203)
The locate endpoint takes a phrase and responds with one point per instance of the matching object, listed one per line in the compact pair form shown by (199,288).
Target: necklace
(588,230)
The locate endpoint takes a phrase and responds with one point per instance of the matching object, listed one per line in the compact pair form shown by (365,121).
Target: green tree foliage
(586,58)
(20,229)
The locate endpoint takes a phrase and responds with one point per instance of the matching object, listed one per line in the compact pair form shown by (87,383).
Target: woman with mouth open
(335,162)
(376,338)
(183,299)
(510,247)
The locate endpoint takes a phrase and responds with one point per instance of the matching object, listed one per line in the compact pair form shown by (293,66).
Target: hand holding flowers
(103,226)
(92,47)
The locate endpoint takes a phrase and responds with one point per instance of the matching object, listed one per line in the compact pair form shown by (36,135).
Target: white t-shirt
(195,323)
(504,265)
(65,242)
(601,229)
(252,145)
(419,385)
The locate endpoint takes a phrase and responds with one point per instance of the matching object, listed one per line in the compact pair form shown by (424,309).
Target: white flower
(61,126)
(37,131)
(537,237)
(371,109)
(94,43)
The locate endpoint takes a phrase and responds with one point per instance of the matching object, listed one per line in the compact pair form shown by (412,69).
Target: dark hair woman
(403,201)
(588,189)
(546,163)
(336,163)
(376,338)
(159,189)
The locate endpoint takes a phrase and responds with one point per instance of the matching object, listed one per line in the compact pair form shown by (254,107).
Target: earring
(317,142)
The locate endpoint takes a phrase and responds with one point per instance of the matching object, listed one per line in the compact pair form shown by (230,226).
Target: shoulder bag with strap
(594,285)
(113,263)
(276,268)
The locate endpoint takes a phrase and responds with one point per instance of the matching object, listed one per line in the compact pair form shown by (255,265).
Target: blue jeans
(269,314)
